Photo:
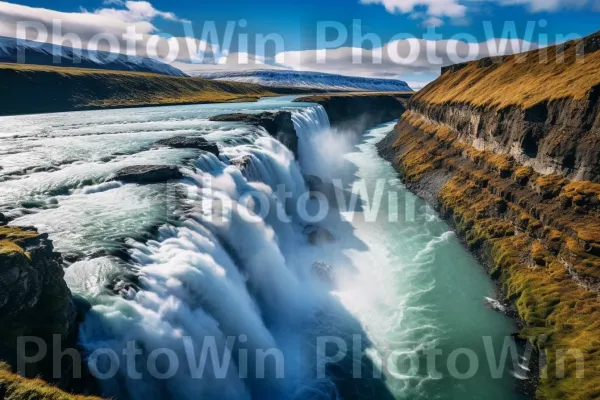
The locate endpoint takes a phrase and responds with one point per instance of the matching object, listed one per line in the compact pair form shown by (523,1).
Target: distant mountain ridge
(45,53)
(304,79)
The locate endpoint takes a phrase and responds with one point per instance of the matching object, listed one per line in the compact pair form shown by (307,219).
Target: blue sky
(296,22)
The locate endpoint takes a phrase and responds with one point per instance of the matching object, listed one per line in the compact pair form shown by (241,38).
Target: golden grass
(528,241)
(19,388)
(11,239)
(519,80)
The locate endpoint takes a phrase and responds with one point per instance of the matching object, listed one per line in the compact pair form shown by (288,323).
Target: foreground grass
(34,88)
(15,387)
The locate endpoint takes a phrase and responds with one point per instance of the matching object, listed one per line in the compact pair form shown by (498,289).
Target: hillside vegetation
(34,89)
(568,70)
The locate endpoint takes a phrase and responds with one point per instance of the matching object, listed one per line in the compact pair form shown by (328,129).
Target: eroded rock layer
(357,112)
(35,299)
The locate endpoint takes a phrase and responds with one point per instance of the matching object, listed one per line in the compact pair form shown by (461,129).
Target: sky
(403,39)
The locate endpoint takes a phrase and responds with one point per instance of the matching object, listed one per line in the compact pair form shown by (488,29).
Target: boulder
(146,174)
(317,235)
(242,163)
(3,219)
(124,284)
(278,124)
(194,142)
(313,182)
(324,272)
(495,305)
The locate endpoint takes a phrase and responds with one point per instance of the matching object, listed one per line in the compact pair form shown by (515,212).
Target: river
(185,270)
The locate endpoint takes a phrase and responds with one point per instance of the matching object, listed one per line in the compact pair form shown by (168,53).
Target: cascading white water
(321,149)
(220,275)
(311,124)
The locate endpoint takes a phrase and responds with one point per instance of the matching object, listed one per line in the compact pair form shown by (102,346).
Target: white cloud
(548,5)
(437,8)
(418,59)
(134,11)
(433,21)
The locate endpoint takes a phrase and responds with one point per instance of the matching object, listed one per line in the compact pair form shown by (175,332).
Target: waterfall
(322,148)
(219,278)
(311,125)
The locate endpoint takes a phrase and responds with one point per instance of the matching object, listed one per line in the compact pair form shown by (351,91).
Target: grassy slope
(519,79)
(33,88)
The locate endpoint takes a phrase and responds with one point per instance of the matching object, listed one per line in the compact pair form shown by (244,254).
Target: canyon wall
(507,149)
(35,302)
(358,112)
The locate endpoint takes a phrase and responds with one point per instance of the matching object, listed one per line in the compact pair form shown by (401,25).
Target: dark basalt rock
(356,114)
(35,299)
(146,174)
(317,235)
(82,307)
(324,272)
(3,219)
(242,163)
(195,142)
(124,284)
(277,124)
(313,182)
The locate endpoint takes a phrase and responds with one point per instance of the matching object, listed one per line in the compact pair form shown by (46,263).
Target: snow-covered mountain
(45,54)
(302,79)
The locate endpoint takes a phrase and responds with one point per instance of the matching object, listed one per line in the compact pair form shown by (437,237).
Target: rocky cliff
(277,124)
(358,112)
(541,107)
(35,302)
(507,149)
